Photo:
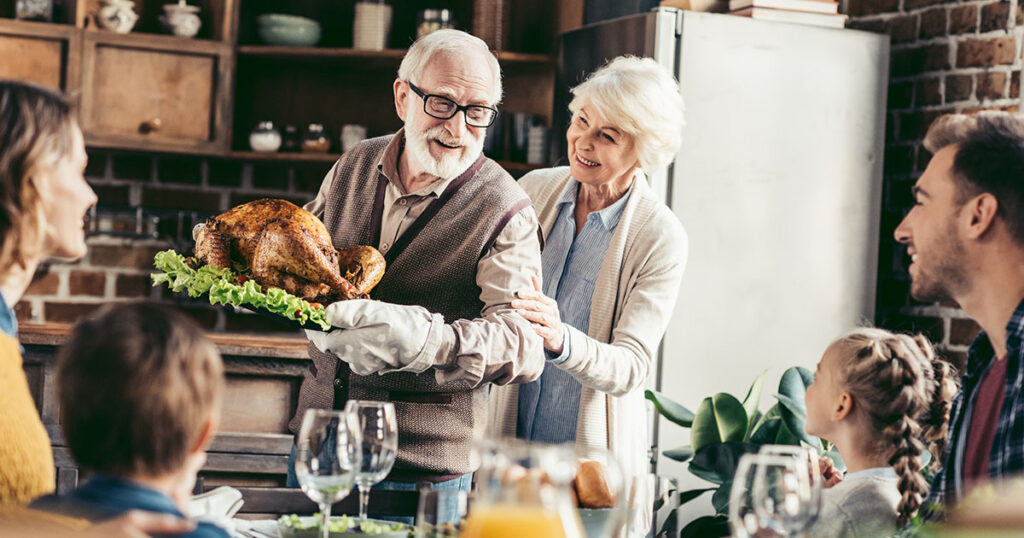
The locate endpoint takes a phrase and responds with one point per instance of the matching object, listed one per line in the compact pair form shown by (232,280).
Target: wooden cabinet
(155,92)
(41,53)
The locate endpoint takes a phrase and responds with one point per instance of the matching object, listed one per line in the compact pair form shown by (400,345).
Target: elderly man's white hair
(643,100)
(447,41)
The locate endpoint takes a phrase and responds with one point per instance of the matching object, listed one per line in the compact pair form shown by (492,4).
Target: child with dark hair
(882,399)
(139,387)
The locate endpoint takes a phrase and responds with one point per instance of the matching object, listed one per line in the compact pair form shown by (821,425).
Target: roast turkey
(287,247)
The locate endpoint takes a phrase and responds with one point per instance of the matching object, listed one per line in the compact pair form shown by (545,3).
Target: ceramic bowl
(288,30)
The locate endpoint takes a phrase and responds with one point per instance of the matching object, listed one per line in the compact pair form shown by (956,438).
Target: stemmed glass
(743,518)
(327,459)
(782,495)
(808,457)
(379,428)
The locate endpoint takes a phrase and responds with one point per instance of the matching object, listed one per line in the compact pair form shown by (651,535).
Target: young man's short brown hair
(136,384)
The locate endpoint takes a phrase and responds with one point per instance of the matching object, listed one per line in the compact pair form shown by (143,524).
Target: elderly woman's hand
(542,313)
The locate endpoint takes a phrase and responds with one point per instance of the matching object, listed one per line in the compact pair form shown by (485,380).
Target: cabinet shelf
(299,157)
(267,51)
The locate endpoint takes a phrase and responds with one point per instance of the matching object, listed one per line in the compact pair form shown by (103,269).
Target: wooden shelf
(299,157)
(387,54)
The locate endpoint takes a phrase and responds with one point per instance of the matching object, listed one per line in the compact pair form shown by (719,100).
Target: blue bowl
(288,30)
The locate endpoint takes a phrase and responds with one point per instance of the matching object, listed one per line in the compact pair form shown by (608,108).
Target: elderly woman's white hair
(446,41)
(642,99)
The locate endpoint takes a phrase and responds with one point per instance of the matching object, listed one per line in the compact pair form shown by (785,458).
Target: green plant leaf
(794,382)
(720,418)
(753,398)
(767,432)
(785,436)
(792,391)
(681,454)
(669,408)
(716,463)
(720,500)
(692,494)
(706,527)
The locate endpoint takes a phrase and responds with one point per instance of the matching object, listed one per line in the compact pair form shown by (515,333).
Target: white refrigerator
(778,184)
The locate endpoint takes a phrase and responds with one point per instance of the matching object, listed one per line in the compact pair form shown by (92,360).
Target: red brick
(309,177)
(199,200)
(991,85)
(963,20)
(957,358)
(227,173)
(923,158)
(860,8)
(133,285)
(927,92)
(68,312)
(44,284)
(910,5)
(205,316)
(933,23)
(272,176)
(97,165)
(959,88)
(912,61)
(902,29)
(994,16)
(112,195)
(985,52)
(914,125)
(900,95)
(1015,85)
(87,283)
(132,166)
(962,331)
(877,26)
(139,257)
(179,170)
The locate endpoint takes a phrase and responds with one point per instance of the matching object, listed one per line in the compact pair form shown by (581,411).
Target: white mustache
(443,136)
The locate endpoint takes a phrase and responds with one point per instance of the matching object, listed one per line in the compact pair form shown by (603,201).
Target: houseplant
(724,428)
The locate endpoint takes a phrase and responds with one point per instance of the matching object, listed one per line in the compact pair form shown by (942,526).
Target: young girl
(881,398)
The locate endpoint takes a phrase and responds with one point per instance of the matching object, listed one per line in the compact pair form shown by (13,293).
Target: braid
(905,393)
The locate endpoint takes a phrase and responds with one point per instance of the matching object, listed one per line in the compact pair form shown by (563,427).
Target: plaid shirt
(1007,456)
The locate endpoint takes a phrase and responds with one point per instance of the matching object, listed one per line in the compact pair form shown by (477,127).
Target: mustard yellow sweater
(26,459)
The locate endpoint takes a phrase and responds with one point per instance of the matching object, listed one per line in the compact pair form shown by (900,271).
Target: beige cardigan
(634,296)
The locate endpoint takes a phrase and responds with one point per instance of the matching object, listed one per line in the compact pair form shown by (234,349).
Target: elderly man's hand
(373,336)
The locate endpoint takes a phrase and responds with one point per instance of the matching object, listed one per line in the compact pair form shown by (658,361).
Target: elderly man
(459,237)
(965,237)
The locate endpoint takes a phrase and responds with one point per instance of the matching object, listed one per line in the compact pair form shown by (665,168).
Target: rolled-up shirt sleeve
(499,346)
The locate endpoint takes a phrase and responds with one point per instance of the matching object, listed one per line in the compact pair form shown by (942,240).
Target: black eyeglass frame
(458,108)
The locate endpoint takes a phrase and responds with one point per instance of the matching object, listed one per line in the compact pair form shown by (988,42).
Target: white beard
(447,166)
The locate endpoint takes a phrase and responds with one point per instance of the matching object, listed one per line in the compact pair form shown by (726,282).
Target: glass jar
(265,137)
(292,141)
(315,139)
(431,20)
(34,10)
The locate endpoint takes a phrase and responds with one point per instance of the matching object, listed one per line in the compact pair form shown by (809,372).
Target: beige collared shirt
(496,346)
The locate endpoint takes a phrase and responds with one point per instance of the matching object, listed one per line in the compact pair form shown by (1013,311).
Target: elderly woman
(43,202)
(612,265)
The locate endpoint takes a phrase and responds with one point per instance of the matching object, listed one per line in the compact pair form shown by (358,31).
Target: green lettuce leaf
(221,287)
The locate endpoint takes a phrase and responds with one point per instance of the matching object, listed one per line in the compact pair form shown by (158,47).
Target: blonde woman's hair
(905,391)
(36,132)
(642,99)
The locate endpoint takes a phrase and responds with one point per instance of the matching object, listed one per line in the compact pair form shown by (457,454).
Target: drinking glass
(434,513)
(327,459)
(379,433)
(809,458)
(743,518)
(781,494)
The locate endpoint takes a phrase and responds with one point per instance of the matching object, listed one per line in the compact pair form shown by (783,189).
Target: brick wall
(946,57)
(178,191)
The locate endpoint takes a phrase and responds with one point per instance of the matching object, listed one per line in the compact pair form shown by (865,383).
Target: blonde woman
(612,265)
(882,399)
(43,202)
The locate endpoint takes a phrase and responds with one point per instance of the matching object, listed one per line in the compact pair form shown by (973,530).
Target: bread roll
(592,486)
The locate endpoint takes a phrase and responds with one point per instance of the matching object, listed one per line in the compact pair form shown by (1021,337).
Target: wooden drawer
(137,94)
(45,54)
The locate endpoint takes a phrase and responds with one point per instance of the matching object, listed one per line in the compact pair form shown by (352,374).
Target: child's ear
(843,408)
(205,436)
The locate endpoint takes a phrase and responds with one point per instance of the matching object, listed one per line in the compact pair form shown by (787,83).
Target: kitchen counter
(251,448)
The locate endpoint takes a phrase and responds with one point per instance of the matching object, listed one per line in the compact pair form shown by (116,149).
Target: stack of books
(814,12)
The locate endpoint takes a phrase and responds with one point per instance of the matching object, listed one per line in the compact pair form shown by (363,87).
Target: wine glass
(743,518)
(379,428)
(327,459)
(781,494)
(809,458)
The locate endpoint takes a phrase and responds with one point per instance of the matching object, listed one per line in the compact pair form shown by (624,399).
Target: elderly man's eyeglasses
(443,108)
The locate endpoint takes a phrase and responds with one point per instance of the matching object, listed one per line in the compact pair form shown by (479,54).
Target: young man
(965,237)
(459,237)
(139,389)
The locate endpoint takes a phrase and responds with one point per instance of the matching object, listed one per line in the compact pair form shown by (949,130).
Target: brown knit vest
(433,266)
